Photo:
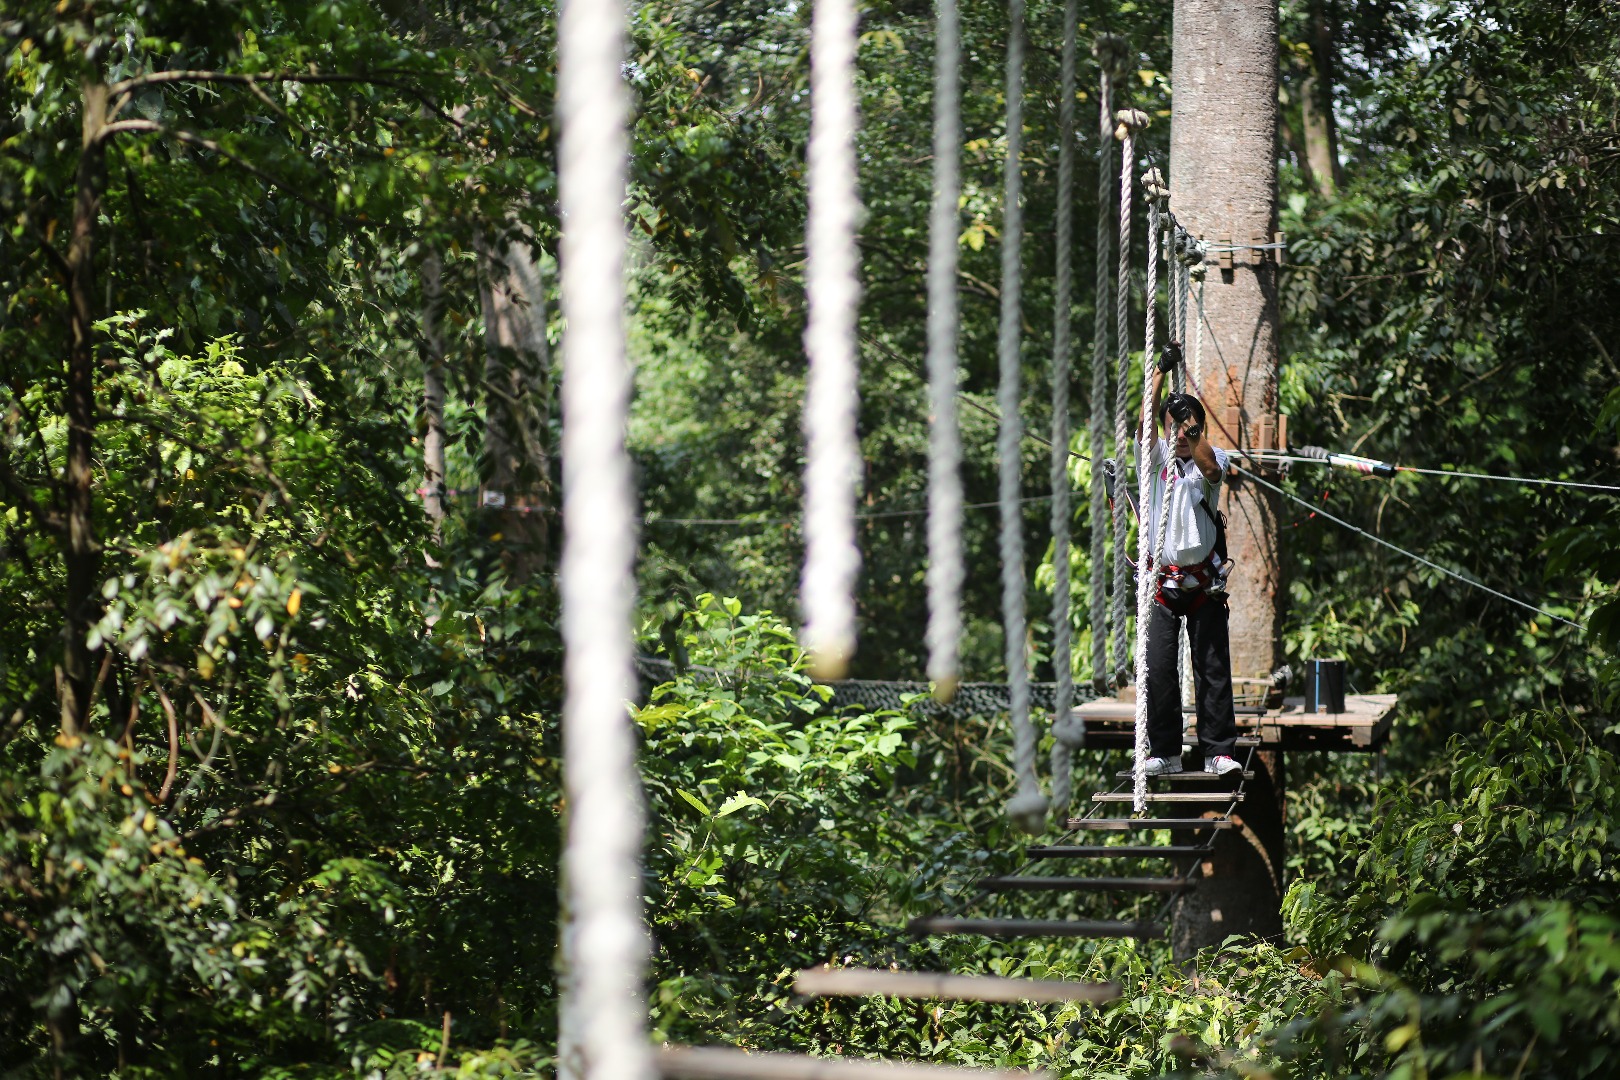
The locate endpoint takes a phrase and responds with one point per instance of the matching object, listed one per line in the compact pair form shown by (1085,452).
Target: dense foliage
(278,755)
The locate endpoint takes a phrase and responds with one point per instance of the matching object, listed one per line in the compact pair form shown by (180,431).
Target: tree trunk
(517,369)
(433,393)
(1223,179)
(1316,105)
(1240,888)
(82,552)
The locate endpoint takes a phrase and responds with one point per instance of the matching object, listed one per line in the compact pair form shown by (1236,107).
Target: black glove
(1179,406)
(1170,356)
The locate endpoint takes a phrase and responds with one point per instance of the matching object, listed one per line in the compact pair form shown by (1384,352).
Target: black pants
(1212,679)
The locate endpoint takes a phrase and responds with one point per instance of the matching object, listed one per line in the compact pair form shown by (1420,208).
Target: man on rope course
(1191,566)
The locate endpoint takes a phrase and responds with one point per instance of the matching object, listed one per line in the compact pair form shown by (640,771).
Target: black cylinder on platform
(1324,686)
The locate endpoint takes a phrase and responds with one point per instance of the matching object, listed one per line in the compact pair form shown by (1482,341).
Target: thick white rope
(1147,469)
(1128,121)
(1028,807)
(1150,541)
(606,944)
(832,286)
(1099,379)
(1067,735)
(1172,323)
(945,561)
(1180,267)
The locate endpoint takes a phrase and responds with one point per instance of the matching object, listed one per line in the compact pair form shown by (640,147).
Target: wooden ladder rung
(1149,823)
(1171,796)
(1117,851)
(873,982)
(1191,776)
(728,1063)
(1246,740)
(1085,884)
(1015,928)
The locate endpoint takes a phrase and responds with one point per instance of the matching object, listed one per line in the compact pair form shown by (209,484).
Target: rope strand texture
(945,560)
(1147,469)
(606,943)
(832,454)
(1028,807)
(1099,383)
(1128,121)
(1064,729)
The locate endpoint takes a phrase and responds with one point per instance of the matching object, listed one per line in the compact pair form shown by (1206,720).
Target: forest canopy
(280,668)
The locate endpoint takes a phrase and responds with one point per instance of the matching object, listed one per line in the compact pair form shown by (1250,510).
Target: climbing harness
(945,561)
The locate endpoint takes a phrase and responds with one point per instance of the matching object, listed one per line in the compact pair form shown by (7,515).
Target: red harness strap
(1192,586)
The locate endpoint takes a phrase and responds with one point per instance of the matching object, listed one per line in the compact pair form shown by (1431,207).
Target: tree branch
(174,737)
(124,89)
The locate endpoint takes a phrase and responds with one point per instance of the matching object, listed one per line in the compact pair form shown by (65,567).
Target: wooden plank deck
(1363,727)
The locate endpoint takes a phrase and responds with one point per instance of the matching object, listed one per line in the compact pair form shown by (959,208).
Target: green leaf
(701,806)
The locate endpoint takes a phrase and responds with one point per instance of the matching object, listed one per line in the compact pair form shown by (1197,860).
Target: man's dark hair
(1180,406)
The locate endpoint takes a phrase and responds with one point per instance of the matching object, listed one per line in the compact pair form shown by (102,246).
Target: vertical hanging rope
(1067,735)
(1129,120)
(1028,807)
(944,436)
(1182,248)
(602,852)
(1105,49)
(1178,322)
(1198,273)
(832,453)
(1176,240)
(1172,311)
(1150,540)
(1150,534)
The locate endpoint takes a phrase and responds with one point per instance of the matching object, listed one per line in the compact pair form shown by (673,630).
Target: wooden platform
(1362,728)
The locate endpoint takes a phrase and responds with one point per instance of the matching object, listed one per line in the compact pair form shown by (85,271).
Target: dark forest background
(279,789)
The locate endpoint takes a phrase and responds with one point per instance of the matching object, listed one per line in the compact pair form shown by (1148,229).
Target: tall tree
(1223,178)
(517,394)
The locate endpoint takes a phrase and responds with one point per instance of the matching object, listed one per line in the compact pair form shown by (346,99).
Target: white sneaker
(1220,765)
(1160,766)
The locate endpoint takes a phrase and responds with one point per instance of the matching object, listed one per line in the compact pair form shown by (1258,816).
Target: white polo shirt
(1189,535)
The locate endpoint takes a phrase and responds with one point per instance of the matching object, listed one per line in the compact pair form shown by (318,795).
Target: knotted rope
(1028,807)
(1109,51)
(605,943)
(832,452)
(1067,734)
(944,435)
(1128,121)
(1148,538)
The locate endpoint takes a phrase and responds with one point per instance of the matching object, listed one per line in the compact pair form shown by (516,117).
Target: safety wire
(1352,461)
(1414,556)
